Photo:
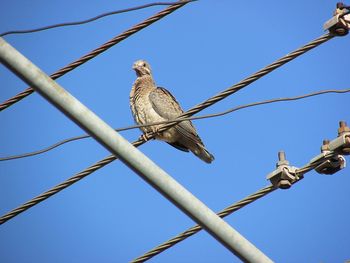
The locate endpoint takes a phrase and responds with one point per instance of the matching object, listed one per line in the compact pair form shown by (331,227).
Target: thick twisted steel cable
(97,51)
(245,82)
(77,177)
(195,229)
(56,189)
(192,111)
(255,76)
(227,211)
(61,186)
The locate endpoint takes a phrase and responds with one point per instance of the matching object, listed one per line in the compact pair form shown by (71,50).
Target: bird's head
(142,68)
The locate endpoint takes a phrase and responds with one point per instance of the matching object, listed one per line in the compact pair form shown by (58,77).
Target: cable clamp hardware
(339,146)
(330,166)
(339,24)
(284,175)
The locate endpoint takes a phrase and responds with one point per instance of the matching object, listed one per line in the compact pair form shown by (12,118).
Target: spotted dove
(150,103)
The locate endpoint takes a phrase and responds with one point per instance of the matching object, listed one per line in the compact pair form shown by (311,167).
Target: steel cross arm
(130,155)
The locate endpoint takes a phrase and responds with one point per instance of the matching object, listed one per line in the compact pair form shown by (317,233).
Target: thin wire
(189,113)
(49,148)
(90,19)
(97,51)
(30,154)
(227,211)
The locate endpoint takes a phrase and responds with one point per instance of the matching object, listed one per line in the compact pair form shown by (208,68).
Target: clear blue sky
(196,52)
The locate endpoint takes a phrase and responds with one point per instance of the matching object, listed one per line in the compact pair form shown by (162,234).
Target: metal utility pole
(131,156)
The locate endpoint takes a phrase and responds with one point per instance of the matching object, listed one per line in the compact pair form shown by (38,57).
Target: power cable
(227,211)
(192,111)
(97,51)
(51,147)
(90,19)
(245,82)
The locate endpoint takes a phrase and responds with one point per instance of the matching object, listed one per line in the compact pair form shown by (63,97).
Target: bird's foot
(156,131)
(146,137)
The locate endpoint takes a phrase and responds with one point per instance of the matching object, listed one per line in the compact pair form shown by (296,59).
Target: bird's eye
(144,64)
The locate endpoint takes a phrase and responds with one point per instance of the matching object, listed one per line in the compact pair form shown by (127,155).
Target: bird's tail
(203,154)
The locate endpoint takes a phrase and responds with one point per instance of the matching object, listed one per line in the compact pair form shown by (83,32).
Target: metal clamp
(341,144)
(339,24)
(331,166)
(284,175)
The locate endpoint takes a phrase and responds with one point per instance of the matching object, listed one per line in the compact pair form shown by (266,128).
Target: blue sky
(196,52)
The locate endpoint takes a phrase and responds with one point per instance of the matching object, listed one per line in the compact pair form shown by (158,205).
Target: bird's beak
(137,70)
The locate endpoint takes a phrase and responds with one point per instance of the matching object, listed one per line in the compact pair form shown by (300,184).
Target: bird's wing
(178,146)
(165,104)
(167,107)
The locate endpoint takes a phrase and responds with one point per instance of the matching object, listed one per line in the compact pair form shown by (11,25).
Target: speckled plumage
(150,103)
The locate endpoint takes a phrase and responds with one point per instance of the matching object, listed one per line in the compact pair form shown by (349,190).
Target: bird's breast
(143,111)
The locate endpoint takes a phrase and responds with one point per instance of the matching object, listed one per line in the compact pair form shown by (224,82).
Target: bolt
(282,159)
(340,5)
(281,156)
(343,128)
(325,146)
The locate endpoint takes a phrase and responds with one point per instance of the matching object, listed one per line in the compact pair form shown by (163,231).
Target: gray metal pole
(131,156)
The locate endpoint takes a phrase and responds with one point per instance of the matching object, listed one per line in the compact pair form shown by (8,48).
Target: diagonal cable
(192,111)
(97,51)
(243,83)
(36,200)
(227,211)
(195,229)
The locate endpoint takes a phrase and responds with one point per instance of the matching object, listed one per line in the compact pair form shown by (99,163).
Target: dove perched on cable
(150,103)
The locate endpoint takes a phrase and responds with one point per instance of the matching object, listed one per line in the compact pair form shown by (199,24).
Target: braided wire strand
(97,51)
(243,83)
(229,210)
(195,229)
(56,189)
(192,111)
(77,177)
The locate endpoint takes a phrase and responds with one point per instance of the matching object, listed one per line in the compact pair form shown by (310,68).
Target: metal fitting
(341,144)
(284,175)
(343,128)
(330,166)
(339,24)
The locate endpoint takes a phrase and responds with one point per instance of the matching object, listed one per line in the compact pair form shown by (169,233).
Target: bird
(150,104)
